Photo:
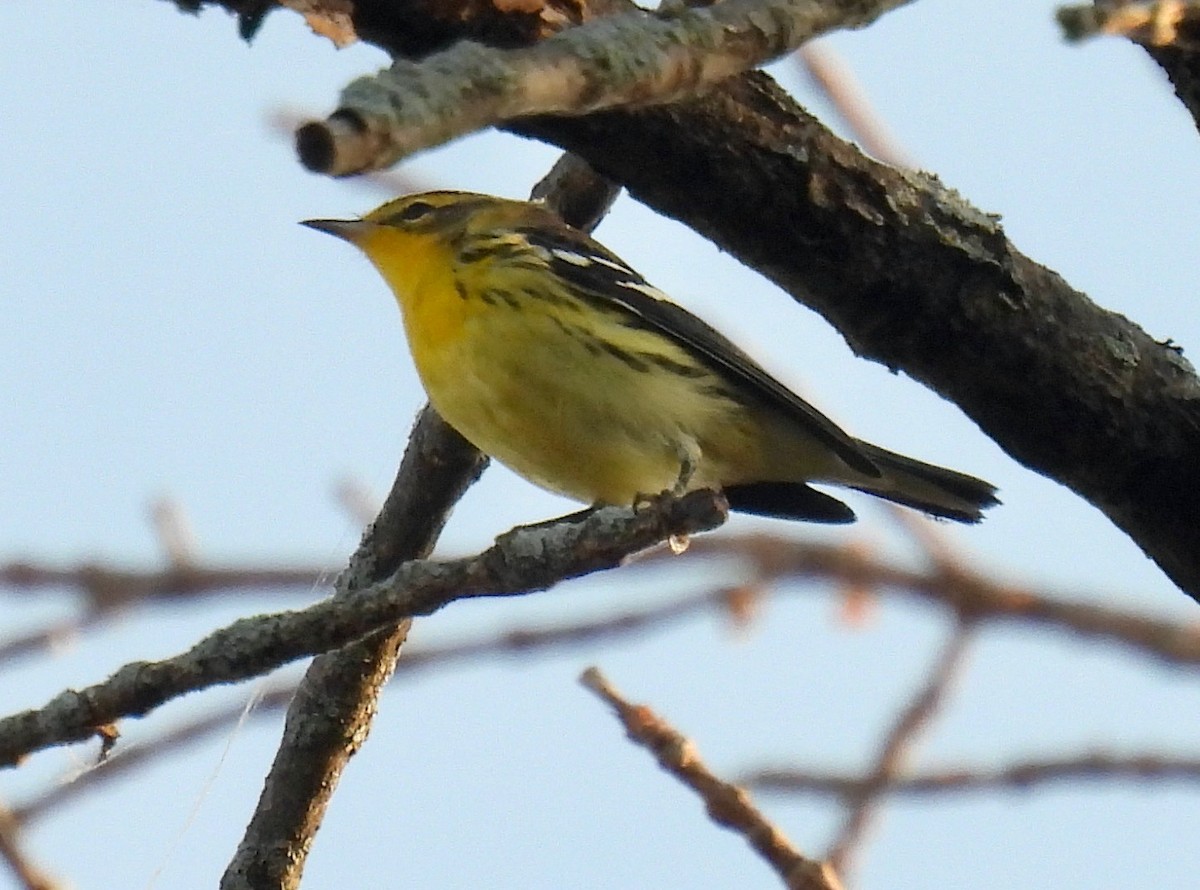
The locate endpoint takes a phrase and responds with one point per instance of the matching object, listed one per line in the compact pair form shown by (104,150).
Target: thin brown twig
(941,556)
(108,591)
(900,740)
(358,502)
(774,557)
(728,805)
(836,80)
(108,587)
(55,635)
(28,875)
(896,747)
(138,754)
(174,532)
(966,592)
(1022,775)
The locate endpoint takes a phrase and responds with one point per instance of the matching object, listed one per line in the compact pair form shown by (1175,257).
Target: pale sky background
(167,329)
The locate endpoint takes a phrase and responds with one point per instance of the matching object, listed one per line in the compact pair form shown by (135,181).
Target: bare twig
(896,747)
(28,875)
(175,534)
(1026,775)
(774,557)
(632,59)
(107,587)
(108,591)
(134,756)
(356,500)
(968,593)
(520,561)
(727,805)
(51,636)
(836,79)
(522,641)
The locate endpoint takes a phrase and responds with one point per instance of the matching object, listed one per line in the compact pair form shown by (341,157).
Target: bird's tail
(936,490)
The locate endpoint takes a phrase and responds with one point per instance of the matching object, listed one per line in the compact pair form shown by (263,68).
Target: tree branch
(890,761)
(521,561)
(1025,775)
(331,713)
(625,60)
(105,588)
(728,805)
(918,280)
(1168,30)
(970,594)
(27,875)
(1152,22)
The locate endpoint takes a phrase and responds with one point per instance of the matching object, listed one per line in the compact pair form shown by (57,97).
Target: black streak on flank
(492,295)
(586,340)
(632,361)
(679,369)
(549,296)
(721,392)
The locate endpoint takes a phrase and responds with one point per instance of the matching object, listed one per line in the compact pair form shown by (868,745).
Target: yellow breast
(420,272)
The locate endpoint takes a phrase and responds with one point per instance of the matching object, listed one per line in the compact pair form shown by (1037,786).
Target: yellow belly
(565,414)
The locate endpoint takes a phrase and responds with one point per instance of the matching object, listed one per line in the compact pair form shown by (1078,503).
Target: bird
(550,354)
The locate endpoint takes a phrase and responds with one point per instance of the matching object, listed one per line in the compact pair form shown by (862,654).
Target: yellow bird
(550,354)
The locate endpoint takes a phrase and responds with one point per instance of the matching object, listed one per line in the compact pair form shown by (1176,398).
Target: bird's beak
(351,230)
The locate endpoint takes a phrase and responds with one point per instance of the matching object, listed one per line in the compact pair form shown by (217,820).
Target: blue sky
(167,329)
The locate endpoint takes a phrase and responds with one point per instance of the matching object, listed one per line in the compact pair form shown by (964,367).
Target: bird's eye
(414,211)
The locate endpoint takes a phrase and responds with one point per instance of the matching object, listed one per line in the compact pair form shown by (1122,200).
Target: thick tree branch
(625,60)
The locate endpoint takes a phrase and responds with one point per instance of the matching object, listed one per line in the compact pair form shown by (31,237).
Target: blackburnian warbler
(550,354)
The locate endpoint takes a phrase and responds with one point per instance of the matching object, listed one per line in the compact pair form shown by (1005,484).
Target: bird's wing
(599,274)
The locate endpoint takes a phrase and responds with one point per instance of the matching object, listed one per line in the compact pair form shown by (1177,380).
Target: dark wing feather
(597,273)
